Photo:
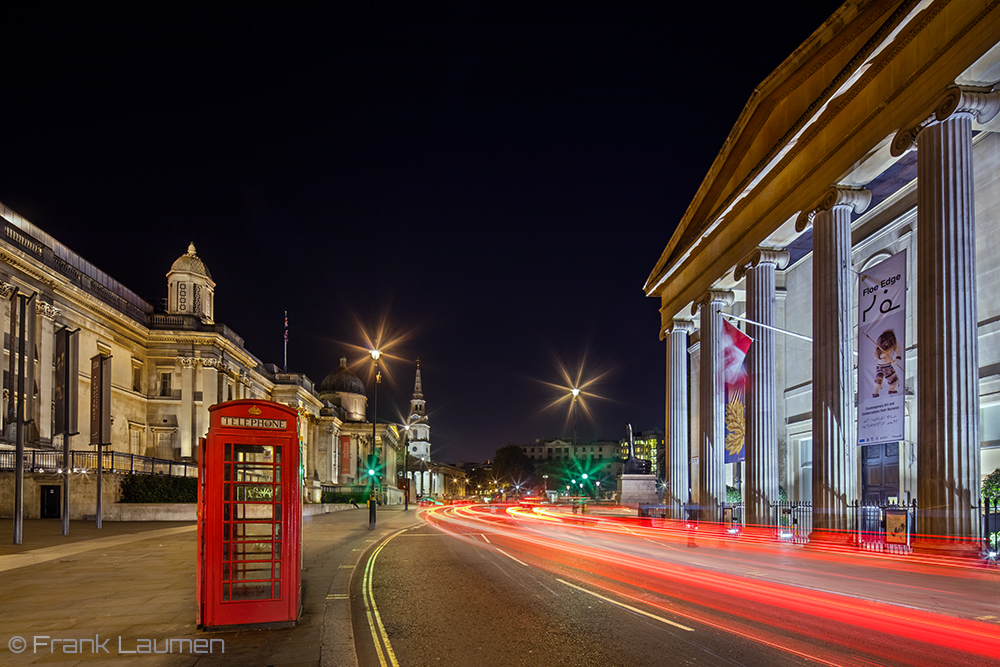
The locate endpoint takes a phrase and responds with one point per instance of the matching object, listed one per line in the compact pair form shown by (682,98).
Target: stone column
(835,462)
(46,368)
(310,446)
(761,445)
(694,410)
(185,420)
(6,292)
(678,458)
(211,378)
(948,441)
(712,407)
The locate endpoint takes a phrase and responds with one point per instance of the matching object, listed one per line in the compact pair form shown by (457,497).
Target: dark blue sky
(494,180)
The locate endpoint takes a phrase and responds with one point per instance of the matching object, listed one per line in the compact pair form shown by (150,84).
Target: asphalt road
(500,589)
(443,601)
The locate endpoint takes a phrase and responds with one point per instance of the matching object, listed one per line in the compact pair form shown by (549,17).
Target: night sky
(488,183)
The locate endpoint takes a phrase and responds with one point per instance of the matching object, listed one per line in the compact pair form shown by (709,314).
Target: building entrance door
(51,502)
(880,473)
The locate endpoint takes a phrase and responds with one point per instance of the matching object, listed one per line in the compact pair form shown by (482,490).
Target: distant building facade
(558,449)
(649,446)
(168,366)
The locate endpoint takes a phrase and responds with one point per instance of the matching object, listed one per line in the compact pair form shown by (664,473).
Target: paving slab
(134,582)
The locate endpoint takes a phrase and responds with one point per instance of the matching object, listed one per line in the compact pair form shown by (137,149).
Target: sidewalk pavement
(134,581)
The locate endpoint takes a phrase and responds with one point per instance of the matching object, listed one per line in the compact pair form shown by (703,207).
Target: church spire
(418,391)
(420,429)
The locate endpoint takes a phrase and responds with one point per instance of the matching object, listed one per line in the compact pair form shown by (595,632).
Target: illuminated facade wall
(648,447)
(558,450)
(816,184)
(168,367)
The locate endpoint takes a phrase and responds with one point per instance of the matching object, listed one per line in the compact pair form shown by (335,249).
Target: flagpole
(768,326)
(286,342)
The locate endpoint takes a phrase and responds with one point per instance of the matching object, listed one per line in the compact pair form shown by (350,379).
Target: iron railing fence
(793,521)
(885,527)
(51,461)
(732,516)
(653,511)
(991,525)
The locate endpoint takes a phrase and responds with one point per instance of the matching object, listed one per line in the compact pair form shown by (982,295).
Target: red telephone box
(249,516)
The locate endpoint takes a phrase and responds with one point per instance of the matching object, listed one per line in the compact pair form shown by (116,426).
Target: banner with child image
(735,344)
(882,351)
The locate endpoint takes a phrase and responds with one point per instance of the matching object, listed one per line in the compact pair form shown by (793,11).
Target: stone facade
(168,366)
(877,136)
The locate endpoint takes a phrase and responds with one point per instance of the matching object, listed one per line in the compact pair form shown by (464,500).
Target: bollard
(371,513)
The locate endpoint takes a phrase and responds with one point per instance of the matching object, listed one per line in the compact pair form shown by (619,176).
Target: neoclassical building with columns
(878,135)
(168,365)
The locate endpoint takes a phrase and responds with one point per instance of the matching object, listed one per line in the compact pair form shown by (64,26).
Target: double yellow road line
(383,648)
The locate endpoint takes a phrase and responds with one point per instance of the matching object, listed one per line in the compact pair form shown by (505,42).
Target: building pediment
(850,84)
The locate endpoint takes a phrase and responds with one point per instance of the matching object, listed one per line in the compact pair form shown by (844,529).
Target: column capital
(47,310)
(217,364)
(779,258)
(188,362)
(838,195)
(983,104)
(680,326)
(6,289)
(725,297)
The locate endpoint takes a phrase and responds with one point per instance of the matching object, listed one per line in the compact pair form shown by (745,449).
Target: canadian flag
(735,344)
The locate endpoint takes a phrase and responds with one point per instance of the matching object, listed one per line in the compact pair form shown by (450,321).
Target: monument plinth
(637,489)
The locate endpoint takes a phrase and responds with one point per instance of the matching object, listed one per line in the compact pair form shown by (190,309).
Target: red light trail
(833,607)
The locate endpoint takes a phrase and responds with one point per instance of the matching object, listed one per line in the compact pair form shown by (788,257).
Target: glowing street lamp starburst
(575,391)
(379,345)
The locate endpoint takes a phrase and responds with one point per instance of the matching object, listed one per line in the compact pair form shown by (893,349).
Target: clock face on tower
(414,416)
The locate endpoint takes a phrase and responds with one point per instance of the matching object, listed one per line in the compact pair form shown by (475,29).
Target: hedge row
(334,497)
(159,489)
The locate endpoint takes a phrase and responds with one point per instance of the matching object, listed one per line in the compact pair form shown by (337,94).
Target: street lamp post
(576,394)
(371,473)
(406,479)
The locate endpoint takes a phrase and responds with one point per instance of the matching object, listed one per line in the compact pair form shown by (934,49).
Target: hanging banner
(882,351)
(735,344)
(345,454)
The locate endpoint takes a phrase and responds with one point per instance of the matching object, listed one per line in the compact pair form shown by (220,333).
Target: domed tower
(420,430)
(345,390)
(190,288)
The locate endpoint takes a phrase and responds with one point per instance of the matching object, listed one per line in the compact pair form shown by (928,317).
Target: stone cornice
(160,337)
(74,296)
(842,39)
(916,51)
(17,262)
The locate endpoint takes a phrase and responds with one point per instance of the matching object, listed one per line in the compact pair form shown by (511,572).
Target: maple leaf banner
(735,344)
